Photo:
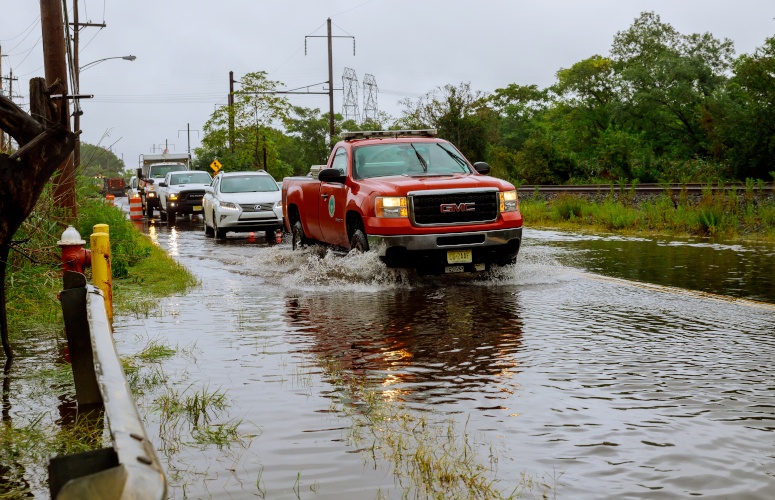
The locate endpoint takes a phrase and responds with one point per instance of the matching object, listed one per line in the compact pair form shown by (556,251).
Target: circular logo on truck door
(331,207)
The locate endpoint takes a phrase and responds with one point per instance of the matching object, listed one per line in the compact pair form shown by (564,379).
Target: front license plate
(459,256)
(197,208)
(454,269)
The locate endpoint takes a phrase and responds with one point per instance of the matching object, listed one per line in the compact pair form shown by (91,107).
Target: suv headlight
(508,201)
(391,206)
(229,206)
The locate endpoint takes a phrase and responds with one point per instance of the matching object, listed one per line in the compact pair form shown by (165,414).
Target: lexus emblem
(447,208)
(256,207)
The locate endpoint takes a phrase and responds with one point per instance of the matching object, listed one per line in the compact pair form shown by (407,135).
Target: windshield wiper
(455,157)
(419,157)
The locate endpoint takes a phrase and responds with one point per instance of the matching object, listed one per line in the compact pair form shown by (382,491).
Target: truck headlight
(173,196)
(391,206)
(151,195)
(229,206)
(509,201)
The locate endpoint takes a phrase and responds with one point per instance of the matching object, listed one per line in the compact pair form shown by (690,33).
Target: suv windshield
(248,184)
(408,158)
(191,178)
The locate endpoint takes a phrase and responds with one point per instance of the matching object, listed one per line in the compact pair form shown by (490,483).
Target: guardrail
(130,469)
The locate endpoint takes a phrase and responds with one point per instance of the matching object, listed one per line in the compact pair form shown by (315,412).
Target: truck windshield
(160,171)
(408,158)
(248,184)
(191,178)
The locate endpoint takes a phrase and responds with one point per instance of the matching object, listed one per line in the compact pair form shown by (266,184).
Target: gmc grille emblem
(447,208)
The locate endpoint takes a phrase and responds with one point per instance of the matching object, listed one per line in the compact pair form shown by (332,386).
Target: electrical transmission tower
(350,89)
(370,90)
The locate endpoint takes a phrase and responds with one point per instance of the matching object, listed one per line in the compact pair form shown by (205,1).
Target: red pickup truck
(411,197)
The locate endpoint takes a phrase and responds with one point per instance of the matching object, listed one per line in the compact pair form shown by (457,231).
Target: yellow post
(100,266)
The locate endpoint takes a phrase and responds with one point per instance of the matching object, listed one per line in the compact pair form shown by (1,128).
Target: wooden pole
(53,35)
(330,85)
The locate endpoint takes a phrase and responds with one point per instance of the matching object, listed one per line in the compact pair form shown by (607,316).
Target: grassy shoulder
(39,398)
(729,216)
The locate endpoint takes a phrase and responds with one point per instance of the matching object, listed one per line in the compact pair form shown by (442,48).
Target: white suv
(242,201)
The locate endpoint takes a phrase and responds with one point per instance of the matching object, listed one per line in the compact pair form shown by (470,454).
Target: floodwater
(602,367)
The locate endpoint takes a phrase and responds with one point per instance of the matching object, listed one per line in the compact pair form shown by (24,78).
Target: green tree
(97,161)
(745,123)
(459,114)
(665,80)
(256,109)
(308,130)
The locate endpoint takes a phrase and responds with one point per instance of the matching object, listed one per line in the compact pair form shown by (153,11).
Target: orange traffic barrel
(110,198)
(135,208)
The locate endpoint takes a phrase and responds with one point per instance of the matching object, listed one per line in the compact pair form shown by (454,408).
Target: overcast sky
(186,48)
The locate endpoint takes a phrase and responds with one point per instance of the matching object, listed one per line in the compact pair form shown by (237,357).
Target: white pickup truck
(181,192)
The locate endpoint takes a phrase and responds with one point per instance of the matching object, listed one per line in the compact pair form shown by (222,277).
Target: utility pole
(330,73)
(330,83)
(77,76)
(188,131)
(53,35)
(231,111)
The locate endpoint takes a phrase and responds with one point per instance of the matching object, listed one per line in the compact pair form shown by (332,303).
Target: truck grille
(191,195)
(454,207)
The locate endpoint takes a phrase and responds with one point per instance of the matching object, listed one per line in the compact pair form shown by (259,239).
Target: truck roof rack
(368,134)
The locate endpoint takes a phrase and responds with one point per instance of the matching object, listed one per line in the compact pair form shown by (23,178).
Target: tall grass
(724,214)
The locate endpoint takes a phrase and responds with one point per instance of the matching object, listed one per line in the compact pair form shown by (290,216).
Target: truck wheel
(171,218)
(162,215)
(269,235)
(298,239)
(359,242)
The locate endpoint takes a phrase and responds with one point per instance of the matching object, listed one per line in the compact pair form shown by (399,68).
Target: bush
(126,247)
(568,207)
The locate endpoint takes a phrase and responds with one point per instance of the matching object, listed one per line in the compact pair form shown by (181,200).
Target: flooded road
(568,374)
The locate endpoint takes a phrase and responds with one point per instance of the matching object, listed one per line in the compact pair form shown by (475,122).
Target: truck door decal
(331,205)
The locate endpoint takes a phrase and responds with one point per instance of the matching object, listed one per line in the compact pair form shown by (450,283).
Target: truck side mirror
(162,184)
(140,173)
(331,175)
(482,167)
(149,181)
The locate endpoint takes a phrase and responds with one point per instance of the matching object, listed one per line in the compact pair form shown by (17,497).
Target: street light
(78,112)
(89,65)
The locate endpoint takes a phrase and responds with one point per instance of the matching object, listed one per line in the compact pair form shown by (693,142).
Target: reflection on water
(419,345)
(735,270)
(613,389)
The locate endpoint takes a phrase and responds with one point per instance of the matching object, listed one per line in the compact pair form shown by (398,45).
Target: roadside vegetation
(747,214)
(46,424)
(659,106)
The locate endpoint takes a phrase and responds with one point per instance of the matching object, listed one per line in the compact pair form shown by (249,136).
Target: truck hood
(247,198)
(401,185)
(177,188)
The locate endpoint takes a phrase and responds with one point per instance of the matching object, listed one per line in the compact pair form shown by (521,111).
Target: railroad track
(645,189)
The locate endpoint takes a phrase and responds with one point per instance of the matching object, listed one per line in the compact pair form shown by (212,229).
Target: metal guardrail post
(130,469)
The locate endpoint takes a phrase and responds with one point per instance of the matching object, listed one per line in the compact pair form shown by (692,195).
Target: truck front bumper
(430,251)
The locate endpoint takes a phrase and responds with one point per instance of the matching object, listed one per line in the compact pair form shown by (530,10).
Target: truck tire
(162,215)
(359,242)
(171,217)
(298,239)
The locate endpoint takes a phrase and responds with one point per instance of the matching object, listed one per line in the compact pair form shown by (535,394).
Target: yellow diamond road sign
(216,165)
